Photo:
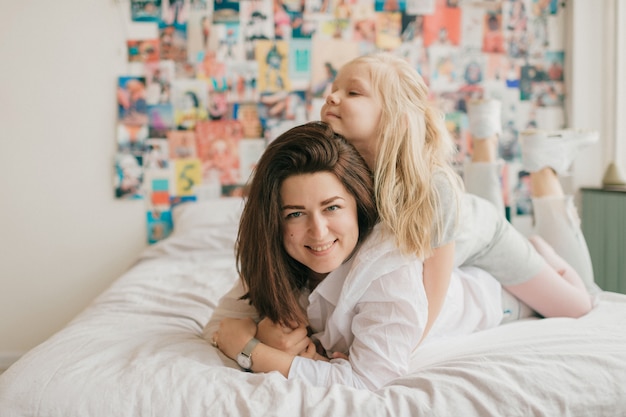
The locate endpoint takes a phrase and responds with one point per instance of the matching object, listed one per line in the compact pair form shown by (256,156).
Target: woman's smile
(322,249)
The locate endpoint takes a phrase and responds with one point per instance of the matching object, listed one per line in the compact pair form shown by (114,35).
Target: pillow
(192,215)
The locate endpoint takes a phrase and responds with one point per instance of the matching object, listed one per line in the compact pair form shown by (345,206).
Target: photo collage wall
(221,79)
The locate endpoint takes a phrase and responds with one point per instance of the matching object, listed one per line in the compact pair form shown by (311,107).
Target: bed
(137,350)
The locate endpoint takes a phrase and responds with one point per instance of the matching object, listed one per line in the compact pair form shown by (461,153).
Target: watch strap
(247,349)
(244,359)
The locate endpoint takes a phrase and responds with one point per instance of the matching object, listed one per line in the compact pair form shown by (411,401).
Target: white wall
(597,87)
(63,237)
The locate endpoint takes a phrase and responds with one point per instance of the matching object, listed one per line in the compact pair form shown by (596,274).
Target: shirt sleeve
(447,209)
(388,323)
(230,305)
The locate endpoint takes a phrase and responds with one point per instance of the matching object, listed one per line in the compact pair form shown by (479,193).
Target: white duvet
(138,350)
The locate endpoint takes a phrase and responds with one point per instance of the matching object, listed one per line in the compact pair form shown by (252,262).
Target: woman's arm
(386,326)
(230,305)
(437,273)
(292,339)
(234,334)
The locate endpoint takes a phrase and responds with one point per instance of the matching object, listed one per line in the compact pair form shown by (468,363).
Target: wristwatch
(244,359)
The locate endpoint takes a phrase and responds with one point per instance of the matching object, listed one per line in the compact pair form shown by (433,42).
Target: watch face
(244,361)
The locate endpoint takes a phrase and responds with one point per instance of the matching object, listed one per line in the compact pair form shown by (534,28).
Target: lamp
(613,177)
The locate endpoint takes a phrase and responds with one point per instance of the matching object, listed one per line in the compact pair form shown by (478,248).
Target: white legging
(555,220)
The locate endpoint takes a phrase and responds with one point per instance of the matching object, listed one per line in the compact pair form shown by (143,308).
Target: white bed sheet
(137,350)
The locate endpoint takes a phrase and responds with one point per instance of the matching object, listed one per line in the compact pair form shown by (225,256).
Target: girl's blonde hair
(413,143)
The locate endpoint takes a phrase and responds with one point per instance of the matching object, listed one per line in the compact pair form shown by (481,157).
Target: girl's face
(320,226)
(353,109)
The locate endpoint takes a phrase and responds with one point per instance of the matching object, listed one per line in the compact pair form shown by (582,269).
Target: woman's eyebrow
(323,203)
(331,199)
(292,207)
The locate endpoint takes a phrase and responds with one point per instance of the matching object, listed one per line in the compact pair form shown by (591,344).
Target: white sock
(484,118)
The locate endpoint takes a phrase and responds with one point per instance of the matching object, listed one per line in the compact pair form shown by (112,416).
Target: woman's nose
(318,227)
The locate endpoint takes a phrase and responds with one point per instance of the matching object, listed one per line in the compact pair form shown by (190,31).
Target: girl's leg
(556,217)
(482,178)
(557,222)
(482,174)
(551,295)
(562,288)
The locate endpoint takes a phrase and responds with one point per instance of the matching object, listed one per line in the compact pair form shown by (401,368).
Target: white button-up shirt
(374,308)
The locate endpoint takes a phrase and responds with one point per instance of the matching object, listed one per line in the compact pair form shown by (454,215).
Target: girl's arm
(438,267)
(437,273)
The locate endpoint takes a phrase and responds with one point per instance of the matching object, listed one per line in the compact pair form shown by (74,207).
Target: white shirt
(374,308)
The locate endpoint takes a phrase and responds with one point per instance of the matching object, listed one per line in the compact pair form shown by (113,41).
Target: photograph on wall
(225,11)
(187,175)
(173,42)
(156,154)
(250,151)
(174,12)
(218,149)
(161,116)
(132,106)
(443,27)
(273,60)
(159,225)
(128,176)
(145,50)
(159,77)
(145,10)
(388,30)
(247,114)
(157,185)
(181,144)
(190,101)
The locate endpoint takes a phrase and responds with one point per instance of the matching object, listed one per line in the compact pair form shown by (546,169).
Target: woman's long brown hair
(272,278)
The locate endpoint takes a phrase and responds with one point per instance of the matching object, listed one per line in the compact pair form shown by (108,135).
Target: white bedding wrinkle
(138,350)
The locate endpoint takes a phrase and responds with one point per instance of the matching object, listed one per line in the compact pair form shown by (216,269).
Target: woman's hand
(292,340)
(233,335)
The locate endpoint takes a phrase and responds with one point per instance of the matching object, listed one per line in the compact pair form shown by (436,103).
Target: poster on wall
(223,78)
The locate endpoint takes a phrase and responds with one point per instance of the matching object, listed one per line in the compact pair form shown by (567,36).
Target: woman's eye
(294,215)
(333,208)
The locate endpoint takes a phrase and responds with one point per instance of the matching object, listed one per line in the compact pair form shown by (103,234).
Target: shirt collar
(330,288)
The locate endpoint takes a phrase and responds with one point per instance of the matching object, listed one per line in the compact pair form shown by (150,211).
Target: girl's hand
(290,340)
(339,355)
(233,335)
(311,352)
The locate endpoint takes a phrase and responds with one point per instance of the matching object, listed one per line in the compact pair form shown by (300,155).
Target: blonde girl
(381,105)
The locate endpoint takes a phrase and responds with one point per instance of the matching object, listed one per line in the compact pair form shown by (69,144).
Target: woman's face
(320,226)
